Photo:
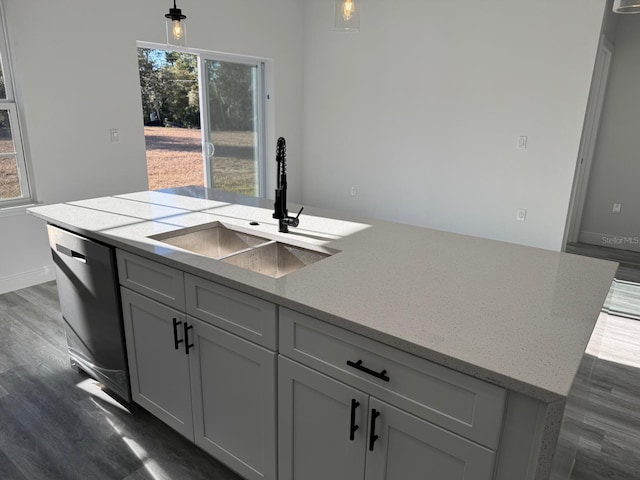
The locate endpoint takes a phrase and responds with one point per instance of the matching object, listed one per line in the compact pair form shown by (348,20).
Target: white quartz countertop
(516,316)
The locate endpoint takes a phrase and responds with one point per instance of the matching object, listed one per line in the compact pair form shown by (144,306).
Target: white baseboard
(27,279)
(612,241)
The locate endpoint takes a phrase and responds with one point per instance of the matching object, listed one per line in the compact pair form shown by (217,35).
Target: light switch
(522,142)
(115,135)
(521,215)
(616,208)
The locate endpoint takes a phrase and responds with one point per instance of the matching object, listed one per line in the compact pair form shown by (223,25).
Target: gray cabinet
(159,372)
(152,279)
(234,400)
(236,312)
(401,446)
(413,418)
(315,440)
(347,407)
(328,430)
(462,404)
(211,385)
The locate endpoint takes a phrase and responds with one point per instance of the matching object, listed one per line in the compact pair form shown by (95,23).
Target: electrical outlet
(521,215)
(354,191)
(616,208)
(522,142)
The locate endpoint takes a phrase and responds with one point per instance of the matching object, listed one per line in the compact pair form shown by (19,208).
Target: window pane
(6,139)
(232,98)
(14,185)
(170,103)
(9,178)
(3,92)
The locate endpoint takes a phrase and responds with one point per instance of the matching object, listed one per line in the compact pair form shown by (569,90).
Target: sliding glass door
(233,124)
(204,119)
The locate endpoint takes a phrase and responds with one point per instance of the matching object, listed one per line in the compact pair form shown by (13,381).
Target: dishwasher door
(90,302)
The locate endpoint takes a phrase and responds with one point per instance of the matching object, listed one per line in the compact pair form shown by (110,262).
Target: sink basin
(211,240)
(258,254)
(275,259)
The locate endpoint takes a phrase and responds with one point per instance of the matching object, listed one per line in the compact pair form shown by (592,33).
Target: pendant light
(176,27)
(626,6)
(347,15)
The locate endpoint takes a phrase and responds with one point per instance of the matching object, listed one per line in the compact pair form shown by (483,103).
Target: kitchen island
(513,320)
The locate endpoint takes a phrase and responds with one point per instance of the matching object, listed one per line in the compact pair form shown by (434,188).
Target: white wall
(433,145)
(422,109)
(77,68)
(615,174)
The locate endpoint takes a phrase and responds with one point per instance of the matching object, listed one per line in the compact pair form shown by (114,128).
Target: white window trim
(12,106)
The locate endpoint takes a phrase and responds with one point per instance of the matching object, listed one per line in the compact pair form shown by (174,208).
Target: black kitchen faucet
(280,206)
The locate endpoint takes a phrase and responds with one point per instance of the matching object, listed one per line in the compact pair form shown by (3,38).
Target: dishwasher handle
(71,253)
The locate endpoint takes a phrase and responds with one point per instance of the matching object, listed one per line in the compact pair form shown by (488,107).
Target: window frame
(11,105)
(265,107)
(205,124)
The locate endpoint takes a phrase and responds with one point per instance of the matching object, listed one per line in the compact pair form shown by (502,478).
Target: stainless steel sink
(275,259)
(211,240)
(258,254)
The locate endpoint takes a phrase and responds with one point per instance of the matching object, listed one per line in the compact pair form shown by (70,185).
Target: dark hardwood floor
(602,415)
(57,424)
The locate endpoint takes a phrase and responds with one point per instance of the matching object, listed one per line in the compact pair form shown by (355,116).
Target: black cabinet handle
(176,342)
(187,345)
(353,427)
(372,431)
(358,366)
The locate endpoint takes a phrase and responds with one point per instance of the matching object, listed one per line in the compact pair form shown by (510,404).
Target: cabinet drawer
(455,401)
(157,281)
(246,316)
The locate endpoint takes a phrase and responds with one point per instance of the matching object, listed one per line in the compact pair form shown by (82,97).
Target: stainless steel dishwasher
(90,302)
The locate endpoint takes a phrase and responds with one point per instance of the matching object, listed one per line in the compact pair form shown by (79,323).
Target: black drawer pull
(176,342)
(358,366)
(372,431)
(187,345)
(353,427)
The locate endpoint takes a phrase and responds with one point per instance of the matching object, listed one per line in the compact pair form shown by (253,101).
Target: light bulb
(178,31)
(348,7)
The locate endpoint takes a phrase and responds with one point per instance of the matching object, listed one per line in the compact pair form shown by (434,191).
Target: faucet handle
(293,221)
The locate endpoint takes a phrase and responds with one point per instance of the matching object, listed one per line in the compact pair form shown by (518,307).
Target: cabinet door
(408,448)
(159,372)
(315,423)
(233,384)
